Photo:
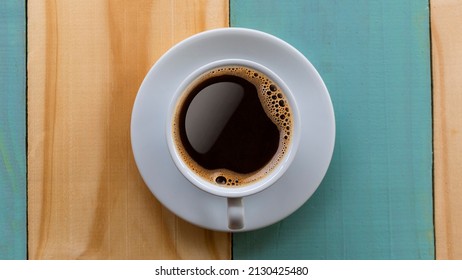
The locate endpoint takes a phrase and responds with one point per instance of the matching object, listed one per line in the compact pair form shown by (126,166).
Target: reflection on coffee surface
(232,125)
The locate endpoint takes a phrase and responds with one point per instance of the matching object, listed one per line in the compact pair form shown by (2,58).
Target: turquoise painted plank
(12,130)
(376,199)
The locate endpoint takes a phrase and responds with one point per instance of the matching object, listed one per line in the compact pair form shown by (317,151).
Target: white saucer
(150,114)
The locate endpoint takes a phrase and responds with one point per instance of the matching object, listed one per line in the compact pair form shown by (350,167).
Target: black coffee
(232,125)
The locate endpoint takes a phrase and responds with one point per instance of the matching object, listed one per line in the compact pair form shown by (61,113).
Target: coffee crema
(232,125)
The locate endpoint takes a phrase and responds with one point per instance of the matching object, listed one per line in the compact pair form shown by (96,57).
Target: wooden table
(69,187)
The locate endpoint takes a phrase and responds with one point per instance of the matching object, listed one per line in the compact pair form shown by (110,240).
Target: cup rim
(250,188)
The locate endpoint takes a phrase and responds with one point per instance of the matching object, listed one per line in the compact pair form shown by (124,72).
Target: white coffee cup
(234,195)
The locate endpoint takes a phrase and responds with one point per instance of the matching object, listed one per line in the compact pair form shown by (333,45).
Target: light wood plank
(86,61)
(12,130)
(376,199)
(446,19)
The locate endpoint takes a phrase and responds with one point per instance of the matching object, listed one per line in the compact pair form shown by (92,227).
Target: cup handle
(235,213)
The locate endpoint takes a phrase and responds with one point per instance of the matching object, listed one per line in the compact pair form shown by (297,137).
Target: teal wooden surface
(12,130)
(376,199)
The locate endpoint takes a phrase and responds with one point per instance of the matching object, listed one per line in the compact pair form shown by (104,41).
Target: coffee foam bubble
(274,103)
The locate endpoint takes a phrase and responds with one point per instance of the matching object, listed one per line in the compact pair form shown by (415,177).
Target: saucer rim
(259,198)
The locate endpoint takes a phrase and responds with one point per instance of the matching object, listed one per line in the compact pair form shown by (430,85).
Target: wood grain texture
(446,19)
(86,61)
(376,199)
(12,130)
